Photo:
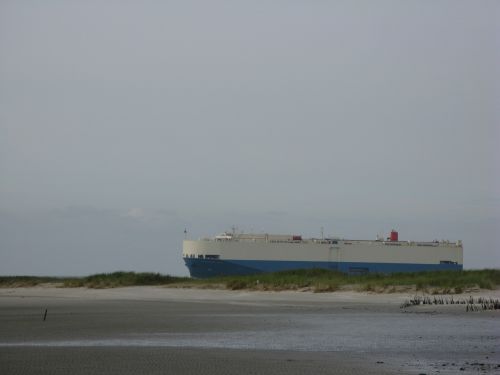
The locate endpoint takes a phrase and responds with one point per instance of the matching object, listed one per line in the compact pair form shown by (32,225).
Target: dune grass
(27,281)
(102,280)
(320,280)
(317,280)
(122,278)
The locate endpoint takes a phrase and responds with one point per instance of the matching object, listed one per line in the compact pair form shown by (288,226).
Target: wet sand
(183,331)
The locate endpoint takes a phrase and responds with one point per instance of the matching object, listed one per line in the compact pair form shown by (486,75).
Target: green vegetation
(121,278)
(26,281)
(317,280)
(320,280)
(103,280)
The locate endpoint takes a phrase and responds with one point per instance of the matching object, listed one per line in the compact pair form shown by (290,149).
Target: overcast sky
(124,122)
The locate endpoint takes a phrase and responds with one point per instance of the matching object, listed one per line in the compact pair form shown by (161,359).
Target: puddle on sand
(323,332)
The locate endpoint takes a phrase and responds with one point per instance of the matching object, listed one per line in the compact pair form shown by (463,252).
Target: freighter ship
(233,253)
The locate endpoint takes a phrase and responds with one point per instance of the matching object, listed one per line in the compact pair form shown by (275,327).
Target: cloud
(80,211)
(162,215)
(136,213)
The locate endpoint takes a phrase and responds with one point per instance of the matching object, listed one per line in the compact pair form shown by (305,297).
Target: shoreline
(186,293)
(344,300)
(156,329)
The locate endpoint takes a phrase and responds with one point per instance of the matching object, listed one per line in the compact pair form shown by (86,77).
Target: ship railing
(341,242)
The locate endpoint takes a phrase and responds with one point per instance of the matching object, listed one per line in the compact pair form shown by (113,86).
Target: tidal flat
(182,331)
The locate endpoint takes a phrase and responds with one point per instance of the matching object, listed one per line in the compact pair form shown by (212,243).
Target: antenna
(322,235)
(185,234)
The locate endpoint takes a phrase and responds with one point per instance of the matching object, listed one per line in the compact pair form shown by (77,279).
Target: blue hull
(203,268)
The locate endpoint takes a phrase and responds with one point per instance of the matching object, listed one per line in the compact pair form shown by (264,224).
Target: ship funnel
(394,235)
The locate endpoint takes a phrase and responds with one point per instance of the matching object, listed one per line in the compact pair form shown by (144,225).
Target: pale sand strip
(162,293)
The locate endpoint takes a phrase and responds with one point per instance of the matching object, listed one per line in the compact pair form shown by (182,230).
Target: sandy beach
(182,331)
